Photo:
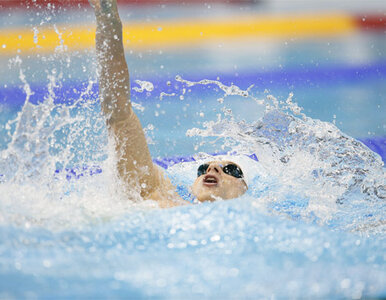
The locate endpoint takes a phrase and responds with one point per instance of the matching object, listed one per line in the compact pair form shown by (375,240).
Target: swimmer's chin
(206,195)
(209,198)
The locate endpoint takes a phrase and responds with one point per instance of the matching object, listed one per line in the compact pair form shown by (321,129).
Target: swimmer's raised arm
(114,84)
(135,165)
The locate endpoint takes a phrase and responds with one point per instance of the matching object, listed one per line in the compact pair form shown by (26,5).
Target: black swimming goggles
(230,169)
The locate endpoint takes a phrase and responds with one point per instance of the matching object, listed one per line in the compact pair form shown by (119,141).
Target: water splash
(163,94)
(62,207)
(80,237)
(143,86)
(311,170)
(310,159)
(231,90)
(47,141)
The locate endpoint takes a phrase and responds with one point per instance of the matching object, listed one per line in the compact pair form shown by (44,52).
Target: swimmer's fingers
(104,7)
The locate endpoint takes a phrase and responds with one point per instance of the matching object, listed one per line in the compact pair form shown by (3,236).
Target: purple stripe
(295,78)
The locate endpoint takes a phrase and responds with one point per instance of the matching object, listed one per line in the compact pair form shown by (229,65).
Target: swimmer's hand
(104,7)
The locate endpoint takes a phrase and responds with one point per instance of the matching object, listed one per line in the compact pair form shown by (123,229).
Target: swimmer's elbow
(117,111)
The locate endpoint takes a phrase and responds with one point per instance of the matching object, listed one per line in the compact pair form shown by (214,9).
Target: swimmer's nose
(215,168)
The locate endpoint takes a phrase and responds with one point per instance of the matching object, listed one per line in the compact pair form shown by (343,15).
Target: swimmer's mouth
(210,180)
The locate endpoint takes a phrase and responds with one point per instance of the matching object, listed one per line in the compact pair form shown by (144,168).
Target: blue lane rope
(69,92)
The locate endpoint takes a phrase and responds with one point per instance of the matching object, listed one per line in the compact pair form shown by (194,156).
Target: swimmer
(216,179)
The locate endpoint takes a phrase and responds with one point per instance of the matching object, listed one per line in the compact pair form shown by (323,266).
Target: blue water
(213,250)
(303,229)
(312,223)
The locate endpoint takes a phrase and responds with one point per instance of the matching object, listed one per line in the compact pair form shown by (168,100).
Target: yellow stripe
(184,33)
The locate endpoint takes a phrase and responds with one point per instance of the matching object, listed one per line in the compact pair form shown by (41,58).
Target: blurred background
(330,54)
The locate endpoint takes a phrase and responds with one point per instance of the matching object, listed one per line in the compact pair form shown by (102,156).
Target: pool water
(310,225)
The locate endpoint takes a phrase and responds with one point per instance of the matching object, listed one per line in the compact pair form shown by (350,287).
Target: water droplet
(345,283)
(47,263)
(215,238)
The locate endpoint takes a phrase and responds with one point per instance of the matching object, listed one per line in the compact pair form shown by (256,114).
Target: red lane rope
(371,22)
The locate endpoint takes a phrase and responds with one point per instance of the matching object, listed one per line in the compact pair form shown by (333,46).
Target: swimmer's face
(219,179)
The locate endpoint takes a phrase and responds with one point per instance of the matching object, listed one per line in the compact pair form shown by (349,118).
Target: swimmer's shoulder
(165,194)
